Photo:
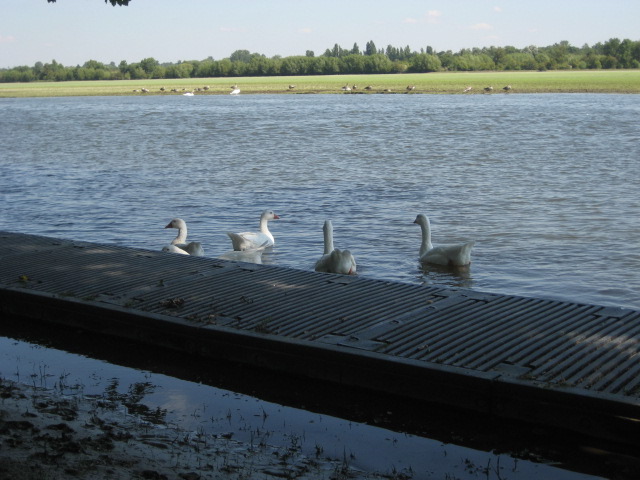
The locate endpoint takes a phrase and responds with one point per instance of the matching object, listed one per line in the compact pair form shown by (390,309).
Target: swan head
(421,219)
(327,227)
(173,249)
(269,215)
(176,223)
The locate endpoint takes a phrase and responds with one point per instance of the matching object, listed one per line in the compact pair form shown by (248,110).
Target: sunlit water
(547,185)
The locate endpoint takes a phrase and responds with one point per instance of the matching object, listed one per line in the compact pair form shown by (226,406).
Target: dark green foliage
(612,54)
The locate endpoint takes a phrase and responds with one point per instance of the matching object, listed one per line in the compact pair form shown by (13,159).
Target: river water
(547,185)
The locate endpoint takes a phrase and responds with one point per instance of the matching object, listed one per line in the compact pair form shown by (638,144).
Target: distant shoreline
(556,81)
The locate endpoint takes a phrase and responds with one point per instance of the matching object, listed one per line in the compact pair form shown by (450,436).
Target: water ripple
(545,184)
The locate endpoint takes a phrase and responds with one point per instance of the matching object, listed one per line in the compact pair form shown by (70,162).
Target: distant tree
(353,64)
(614,53)
(370,48)
(337,51)
(259,66)
(423,62)
(240,56)
(149,65)
(122,3)
(378,63)
(328,65)
(94,64)
(519,61)
(206,68)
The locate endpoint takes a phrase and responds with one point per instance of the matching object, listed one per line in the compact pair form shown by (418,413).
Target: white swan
(253,255)
(452,255)
(235,91)
(334,260)
(251,240)
(179,243)
(174,249)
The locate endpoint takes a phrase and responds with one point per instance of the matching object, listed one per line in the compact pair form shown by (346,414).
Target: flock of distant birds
(249,246)
(347,88)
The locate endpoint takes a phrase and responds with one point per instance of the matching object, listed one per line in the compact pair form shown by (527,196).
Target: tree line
(612,54)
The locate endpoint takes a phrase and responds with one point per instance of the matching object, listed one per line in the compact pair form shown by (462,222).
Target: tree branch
(122,3)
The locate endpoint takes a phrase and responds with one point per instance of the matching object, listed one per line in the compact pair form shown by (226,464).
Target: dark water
(547,185)
(197,407)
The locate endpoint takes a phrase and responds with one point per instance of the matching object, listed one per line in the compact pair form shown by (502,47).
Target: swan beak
(168,226)
(275,217)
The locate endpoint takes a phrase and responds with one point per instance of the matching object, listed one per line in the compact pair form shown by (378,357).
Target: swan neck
(182,236)
(426,237)
(328,240)
(264,225)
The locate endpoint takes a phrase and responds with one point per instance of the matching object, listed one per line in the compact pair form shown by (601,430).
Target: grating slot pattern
(548,342)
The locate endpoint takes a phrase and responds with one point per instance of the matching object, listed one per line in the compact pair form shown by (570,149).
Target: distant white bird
(468,89)
(451,255)
(235,91)
(188,94)
(334,260)
(180,242)
(251,240)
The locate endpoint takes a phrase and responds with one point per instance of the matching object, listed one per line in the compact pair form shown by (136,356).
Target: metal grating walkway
(523,357)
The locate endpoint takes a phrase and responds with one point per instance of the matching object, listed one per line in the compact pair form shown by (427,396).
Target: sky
(75,31)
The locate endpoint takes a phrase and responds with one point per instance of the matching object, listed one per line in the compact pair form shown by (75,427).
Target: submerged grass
(559,81)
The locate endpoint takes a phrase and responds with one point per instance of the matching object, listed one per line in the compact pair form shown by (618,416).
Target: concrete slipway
(565,364)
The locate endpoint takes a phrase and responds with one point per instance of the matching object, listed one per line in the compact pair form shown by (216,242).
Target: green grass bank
(558,81)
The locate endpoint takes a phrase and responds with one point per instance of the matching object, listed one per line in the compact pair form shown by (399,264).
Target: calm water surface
(197,407)
(547,185)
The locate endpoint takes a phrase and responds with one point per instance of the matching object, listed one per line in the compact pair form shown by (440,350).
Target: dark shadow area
(449,425)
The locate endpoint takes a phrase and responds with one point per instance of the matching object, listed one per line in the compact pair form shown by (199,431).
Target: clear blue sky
(74,31)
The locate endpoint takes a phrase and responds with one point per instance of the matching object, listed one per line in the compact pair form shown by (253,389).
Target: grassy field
(590,81)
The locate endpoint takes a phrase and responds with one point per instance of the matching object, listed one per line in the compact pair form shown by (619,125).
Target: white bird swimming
(251,240)
(451,255)
(180,242)
(253,255)
(334,260)
(174,249)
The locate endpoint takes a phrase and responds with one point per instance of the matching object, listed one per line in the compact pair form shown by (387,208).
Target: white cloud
(7,39)
(497,9)
(433,16)
(481,26)
(304,30)
(233,29)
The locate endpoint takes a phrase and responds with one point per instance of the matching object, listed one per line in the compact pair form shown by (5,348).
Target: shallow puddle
(198,407)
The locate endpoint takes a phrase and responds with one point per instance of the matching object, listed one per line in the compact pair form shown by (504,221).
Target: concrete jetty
(559,363)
